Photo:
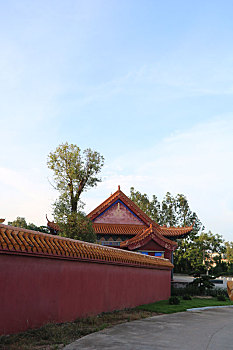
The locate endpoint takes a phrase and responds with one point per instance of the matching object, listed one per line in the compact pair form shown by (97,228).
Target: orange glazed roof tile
(142,238)
(175,231)
(118,229)
(15,240)
(164,231)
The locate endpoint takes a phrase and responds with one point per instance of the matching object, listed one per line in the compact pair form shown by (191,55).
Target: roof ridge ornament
(52,226)
(119,187)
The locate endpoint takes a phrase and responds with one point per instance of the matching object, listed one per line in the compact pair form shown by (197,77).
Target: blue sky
(148,84)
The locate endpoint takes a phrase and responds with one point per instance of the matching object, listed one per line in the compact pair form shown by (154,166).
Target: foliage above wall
(74,172)
(194,252)
(21,222)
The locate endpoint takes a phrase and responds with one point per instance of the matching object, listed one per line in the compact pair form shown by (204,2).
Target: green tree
(21,222)
(18,222)
(168,214)
(150,208)
(175,211)
(202,282)
(229,251)
(220,267)
(172,211)
(74,172)
(209,244)
(78,226)
(185,216)
(186,258)
(199,253)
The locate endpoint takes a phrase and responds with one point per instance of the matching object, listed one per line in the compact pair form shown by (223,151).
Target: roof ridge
(138,211)
(150,231)
(103,203)
(175,227)
(174,231)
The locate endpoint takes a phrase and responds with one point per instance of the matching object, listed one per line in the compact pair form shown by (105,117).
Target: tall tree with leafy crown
(150,208)
(173,211)
(74,172)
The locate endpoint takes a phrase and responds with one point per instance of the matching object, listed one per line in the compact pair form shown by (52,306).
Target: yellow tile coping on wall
(15,240)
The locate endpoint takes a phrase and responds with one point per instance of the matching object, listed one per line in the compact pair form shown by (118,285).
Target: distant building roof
(52,226)
(128,202)
(151,233)
(129,229)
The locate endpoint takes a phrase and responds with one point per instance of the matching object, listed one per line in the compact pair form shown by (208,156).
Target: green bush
(202,282)
(218,291)
(187,297)
(221,298)
(195,291)
(189,290)
(174,300)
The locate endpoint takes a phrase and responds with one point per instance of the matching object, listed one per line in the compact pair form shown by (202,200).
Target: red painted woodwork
(152,245)
(168,255)
(35,291)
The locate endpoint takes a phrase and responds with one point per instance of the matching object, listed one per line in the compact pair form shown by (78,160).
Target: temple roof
(19,241)
(128,202)
(151,233)
(118,229)
(125,228)
(52,226)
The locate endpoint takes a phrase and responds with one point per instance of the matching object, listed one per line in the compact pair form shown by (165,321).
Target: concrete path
(210,329)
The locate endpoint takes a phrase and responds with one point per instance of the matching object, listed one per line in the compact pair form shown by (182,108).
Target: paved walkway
(210,329)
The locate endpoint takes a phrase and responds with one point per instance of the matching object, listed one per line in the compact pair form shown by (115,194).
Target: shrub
(202,282)
(187,297)
(174,300)
(190,290)
(221,298)
(218,291)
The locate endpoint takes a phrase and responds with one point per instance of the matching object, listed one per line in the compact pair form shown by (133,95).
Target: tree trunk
(74,205)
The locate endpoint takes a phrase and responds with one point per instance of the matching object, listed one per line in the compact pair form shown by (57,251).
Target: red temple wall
(118,214)
(35,291)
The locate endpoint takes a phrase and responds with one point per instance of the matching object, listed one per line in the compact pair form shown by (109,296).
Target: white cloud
(25,194)
(197,163)
(171,77)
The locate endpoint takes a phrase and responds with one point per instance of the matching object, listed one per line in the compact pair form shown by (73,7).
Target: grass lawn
(165,308)
(55,336)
